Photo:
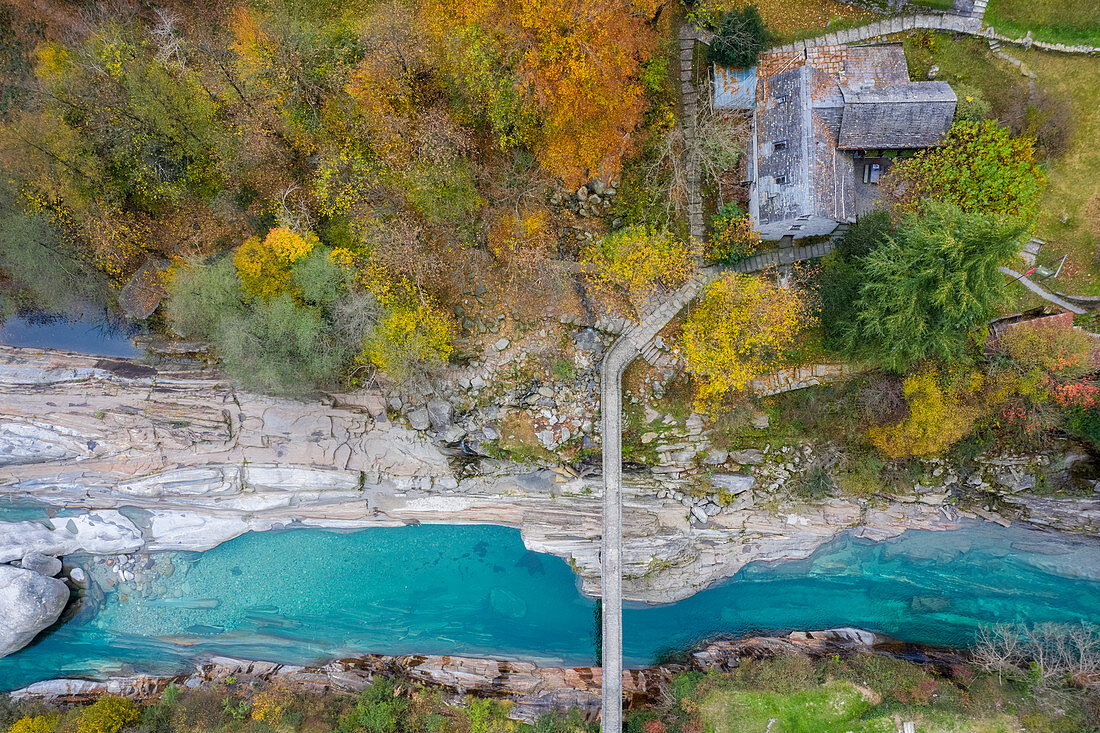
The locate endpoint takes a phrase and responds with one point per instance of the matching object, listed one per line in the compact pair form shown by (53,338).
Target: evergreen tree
(929,284)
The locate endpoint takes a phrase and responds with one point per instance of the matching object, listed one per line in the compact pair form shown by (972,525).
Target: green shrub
(48,272)
(199,296)
(783,673)
(814,484)
(869,231)
(739,38)
(838,292)
(486,716)
(734,237)
(317,279)
(972,105)
(861,475)
(979,167)
(108,715)
(904,681)
(279,346)
(444,192)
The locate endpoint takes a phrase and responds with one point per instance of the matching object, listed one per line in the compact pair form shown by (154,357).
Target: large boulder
(36,562)
(29,602)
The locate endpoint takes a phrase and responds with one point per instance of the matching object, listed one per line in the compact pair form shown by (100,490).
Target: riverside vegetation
(1000,690)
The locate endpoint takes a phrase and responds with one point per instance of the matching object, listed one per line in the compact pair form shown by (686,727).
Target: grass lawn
(792,20)
(1073,185)
(1056,21)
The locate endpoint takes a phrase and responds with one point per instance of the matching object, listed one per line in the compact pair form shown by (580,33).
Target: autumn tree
(929,284)
(578,63)
(264,266)
(980,167)
(740,329)
(111,136)
(941,413)
(636,261)
(413,334)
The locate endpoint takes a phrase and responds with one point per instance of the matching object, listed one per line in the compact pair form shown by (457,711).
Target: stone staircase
(659,354)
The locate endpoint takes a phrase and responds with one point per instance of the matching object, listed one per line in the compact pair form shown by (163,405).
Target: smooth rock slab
(104,532)
(29,602)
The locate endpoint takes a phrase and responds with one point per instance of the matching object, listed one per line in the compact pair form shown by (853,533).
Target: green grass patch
(1071,22)
(1069,217)
(835,707)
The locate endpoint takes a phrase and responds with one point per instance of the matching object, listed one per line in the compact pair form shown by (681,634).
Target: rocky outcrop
(533,689)
(97,533)
(193,462)
(29,602)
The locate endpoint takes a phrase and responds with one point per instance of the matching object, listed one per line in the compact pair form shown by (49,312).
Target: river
(305,595)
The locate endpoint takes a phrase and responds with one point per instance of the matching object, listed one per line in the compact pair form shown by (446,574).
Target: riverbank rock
(532,688)
(36,562)
(29,602)
(101,532)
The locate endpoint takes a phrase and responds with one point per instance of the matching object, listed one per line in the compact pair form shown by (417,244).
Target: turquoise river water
(304,595)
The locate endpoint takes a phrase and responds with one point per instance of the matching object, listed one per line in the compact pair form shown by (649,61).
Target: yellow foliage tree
(578,61)
(413,332)
(938,416)
(37,724)
(263,266)
(108,715)
(637,261)
(740,329)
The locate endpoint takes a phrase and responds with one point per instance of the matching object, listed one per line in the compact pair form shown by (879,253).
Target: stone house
(827,122)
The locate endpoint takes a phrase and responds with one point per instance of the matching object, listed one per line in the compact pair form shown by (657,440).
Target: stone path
(1044,294)
(689,117)
(625,350)
(970,24)
(954,23)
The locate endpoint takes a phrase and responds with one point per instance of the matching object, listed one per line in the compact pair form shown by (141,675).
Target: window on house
(781,180)
(781,99)
(779,145)
(795,227)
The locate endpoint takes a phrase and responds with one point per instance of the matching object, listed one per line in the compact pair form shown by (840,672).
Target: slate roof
(866,67)
(910,115)
(834,99)
(801,108)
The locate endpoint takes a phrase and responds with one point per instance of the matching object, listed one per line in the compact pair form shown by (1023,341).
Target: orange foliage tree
(578,60)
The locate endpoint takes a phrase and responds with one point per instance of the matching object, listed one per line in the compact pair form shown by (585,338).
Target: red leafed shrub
(1083,395)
